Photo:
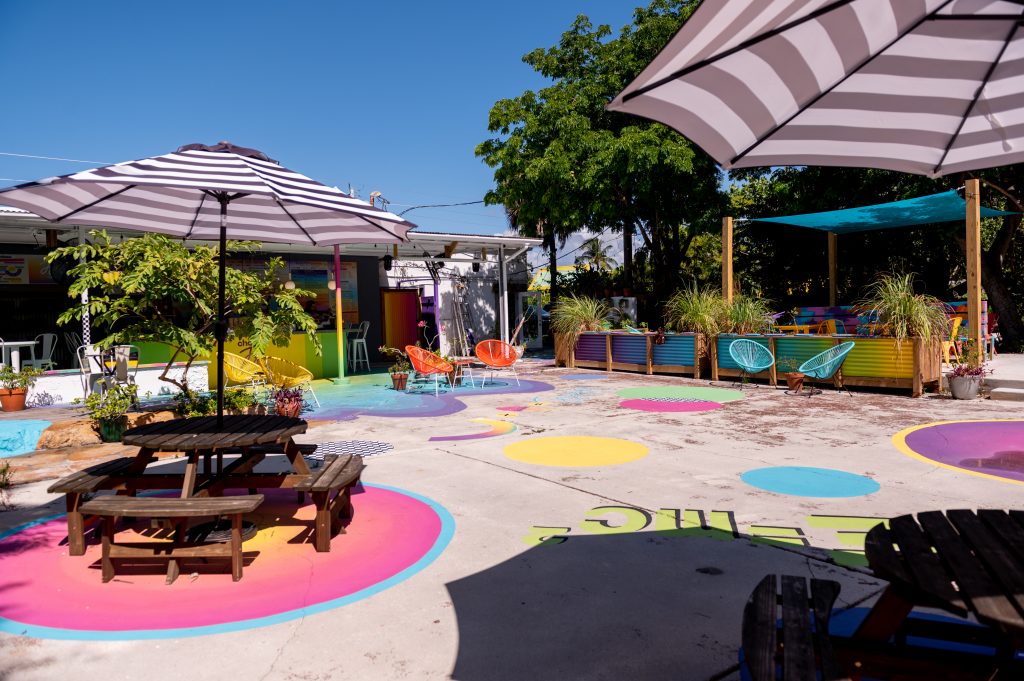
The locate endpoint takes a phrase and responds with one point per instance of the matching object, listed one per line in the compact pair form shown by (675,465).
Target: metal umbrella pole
(339,321)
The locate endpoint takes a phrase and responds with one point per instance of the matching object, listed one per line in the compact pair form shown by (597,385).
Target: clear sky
(390,96)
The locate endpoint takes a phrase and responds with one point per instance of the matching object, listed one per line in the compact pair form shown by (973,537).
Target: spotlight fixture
(290,285)
(387,262)
(331,284)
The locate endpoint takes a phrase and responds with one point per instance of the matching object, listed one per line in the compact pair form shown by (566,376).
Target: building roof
(21,227)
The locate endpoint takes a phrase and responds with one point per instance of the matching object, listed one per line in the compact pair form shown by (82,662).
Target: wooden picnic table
(965,562)
(251,437)
(795,328)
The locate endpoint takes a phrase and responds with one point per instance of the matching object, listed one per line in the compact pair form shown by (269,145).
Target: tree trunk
(627,254)
(549,235)
(1011,327)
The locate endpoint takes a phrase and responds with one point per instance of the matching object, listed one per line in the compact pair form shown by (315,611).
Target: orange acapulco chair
(426,363)
(497,355)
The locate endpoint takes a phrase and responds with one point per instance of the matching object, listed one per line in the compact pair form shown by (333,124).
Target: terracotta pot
(13,399)
(398,381)
(292,409)
(112,429)
(795,381)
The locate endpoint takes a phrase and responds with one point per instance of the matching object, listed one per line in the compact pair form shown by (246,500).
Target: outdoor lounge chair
(949,346)
(48,342)
(426,363)
(824,365)
(286,374)
(751,356)
(241,371)
(497,355)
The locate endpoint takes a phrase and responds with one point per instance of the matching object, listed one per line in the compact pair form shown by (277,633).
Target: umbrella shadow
(617,606)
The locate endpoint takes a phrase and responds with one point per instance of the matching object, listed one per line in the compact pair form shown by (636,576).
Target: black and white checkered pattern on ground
(673,399)
(364,448)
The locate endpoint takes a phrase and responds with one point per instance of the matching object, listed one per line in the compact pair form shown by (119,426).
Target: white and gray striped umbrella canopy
(922,86)
(177,194)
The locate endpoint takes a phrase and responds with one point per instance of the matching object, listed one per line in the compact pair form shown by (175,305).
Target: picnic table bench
(331,489)
(179,510)
(799,639)
(74,486)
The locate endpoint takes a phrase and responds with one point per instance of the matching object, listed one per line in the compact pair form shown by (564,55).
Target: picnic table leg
(299,465)
(882,621)
(322,528)
(190,475)
(108,539)
(236,546)
(76,525)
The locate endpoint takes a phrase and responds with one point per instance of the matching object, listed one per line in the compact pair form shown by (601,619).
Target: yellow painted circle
(575,451)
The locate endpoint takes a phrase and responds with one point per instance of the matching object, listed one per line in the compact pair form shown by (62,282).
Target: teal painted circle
(695,392)
(804,481)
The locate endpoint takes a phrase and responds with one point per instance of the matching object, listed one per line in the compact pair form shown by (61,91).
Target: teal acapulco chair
(752,357)
(824,365)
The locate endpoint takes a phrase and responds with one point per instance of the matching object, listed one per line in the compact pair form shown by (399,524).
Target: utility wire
(56,158)
(440,205)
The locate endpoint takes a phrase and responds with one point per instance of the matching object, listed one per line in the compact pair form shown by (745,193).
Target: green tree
(154,289)
(564,163)
(596,255)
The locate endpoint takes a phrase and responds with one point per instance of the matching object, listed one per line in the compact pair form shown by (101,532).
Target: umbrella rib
(977,95)
(195,218)
(832,87)
(297,223)
(90,205)
(742,46)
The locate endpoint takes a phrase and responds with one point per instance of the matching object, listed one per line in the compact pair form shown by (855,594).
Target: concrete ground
(575,572)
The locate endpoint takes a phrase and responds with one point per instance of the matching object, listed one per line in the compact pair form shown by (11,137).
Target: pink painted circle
(49,594)
(664,406)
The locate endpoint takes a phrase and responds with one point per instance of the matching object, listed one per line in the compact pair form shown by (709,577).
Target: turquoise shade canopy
(924,210)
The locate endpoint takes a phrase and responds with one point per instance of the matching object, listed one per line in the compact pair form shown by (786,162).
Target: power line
(440,205)
(56,158)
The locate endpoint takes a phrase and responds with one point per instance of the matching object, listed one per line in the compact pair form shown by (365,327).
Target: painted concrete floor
(625,557)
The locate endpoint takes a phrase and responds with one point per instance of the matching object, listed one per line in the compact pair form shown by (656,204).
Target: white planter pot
(965,387)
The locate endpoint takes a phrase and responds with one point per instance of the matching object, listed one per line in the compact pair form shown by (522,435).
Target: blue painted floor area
(372,394)
(19,436)
(804,481)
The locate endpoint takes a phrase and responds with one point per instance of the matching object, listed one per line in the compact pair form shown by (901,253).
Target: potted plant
(794,379)
(14,386)
(571,316)
(109,409)
(965,378)
(288,402)
(748,315)
(703,311)
(399,368)
(903,314)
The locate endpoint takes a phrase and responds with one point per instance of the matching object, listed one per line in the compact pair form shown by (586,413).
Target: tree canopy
(155,289)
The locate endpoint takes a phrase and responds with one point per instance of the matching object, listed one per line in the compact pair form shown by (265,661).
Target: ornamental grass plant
(572,315)
(701,310)
(901,312)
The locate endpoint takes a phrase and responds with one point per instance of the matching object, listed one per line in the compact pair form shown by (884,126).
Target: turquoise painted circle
(804,481)
(695,392)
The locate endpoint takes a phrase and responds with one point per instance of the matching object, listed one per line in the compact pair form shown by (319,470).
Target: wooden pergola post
(972,194)
(727,258)
(832,273)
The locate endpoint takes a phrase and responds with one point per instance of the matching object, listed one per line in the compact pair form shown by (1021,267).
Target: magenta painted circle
(994,448)
(662,406)
(43,587)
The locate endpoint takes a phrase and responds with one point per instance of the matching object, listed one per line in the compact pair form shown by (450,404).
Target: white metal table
(12,352)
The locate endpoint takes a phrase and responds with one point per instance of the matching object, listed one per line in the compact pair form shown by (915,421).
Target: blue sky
(390,96)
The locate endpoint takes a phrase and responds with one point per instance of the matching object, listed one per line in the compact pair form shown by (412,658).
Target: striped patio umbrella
(921,86)
(214,192)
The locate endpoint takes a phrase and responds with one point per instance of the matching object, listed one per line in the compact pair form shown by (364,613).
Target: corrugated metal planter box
(679,354)
(619,351)
(723,364)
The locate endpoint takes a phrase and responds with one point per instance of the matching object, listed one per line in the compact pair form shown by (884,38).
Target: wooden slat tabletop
(203,433)
(964,561)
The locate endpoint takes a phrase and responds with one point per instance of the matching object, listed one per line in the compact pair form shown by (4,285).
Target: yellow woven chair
(241,371)
(285,374)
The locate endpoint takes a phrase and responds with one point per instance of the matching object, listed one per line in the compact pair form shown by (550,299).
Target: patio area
(584,524)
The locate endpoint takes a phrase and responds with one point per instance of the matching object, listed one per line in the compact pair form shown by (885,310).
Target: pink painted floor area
(660,406)
(42,586)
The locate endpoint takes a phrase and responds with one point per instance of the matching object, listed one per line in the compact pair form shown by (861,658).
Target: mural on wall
(843,536)
(24,268)
(395,533)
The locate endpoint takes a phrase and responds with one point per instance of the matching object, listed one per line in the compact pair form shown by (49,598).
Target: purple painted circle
(660,405)
(992,447)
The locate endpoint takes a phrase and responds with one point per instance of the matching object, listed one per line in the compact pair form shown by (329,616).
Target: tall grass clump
(572,315)
(749,315)
(903,313)
(702,310)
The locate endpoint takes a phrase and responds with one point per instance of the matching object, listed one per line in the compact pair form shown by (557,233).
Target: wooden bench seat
(112,507)
(101,476)
(330,486)
(798,640)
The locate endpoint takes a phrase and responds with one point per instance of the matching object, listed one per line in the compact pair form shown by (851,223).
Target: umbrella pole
(221,328)
(339,322)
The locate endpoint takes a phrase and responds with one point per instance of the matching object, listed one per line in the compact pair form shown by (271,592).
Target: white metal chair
(73,341)
(125,368)
(357,348)
(89,373)
(45,361)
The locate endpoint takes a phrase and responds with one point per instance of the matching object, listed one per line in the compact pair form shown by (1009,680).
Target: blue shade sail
(924,210)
